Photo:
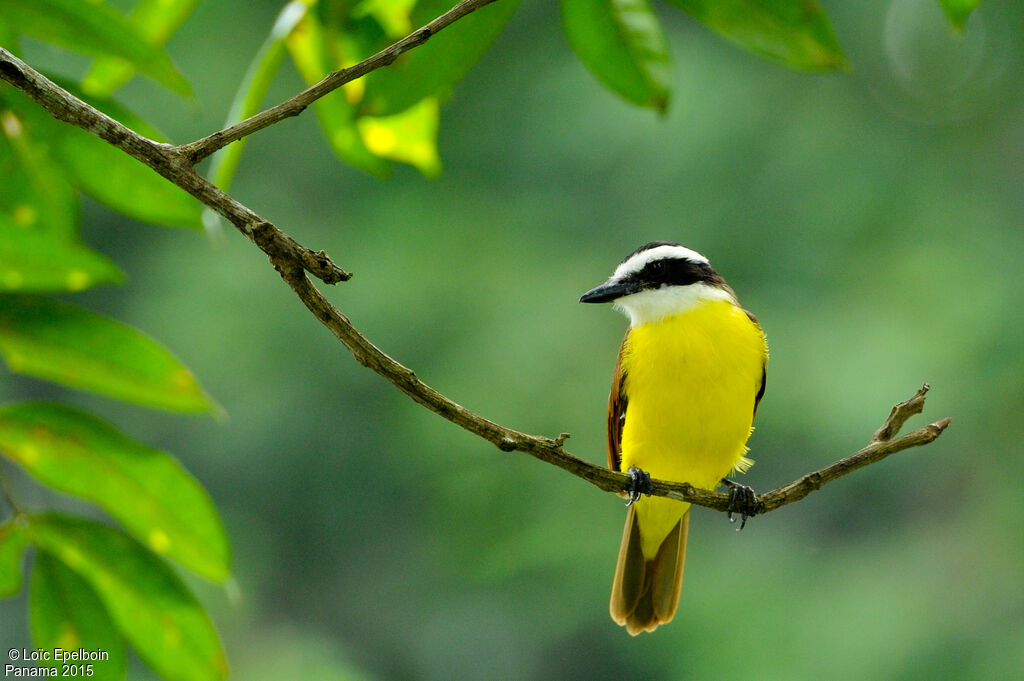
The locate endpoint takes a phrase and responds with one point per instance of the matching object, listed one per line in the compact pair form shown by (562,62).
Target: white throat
(655,304)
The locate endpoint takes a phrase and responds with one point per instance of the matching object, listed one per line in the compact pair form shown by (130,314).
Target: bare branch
(200,149)
(551,450)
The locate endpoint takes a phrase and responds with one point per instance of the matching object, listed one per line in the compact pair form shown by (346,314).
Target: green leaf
(66,613)
(622,43)
(336,114)
(35,260)
(92,28)
(433,68)
(154,20)
(146,600)
(254,88)
(35,194)
(69,345)
(958,11)
(125,184)
(50,154)
(13,540)
(110,176)
(409,137)
(794,32)
(144,489)
(392,15)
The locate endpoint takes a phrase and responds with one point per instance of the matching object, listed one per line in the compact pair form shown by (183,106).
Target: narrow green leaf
(69,345)
(622,43)
(66,614)
(112,177)
(154,20)
(336,114)
(794,32)
(99,169)
(92,28)
(254,88)
(432,69)
(35,194)
(146,600)
(39,261)
(128,186)
(409,137)
(144,489)
(13,540)
(392,15)
(958,11)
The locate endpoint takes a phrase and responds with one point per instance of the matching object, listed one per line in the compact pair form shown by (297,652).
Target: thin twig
(899,415)
(200,149)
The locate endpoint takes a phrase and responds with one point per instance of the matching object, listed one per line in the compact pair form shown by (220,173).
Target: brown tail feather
(646,593)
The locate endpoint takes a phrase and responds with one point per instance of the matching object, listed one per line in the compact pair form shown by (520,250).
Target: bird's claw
(742,500)
(639,483)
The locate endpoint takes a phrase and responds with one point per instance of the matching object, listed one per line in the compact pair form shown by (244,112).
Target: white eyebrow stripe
(640,260)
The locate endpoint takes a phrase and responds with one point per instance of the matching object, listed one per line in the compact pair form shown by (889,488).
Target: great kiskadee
(689,376)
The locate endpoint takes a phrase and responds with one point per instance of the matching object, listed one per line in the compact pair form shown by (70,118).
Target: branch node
(899,415)
(560,440)
(507,444)
(285,252)
(935,429)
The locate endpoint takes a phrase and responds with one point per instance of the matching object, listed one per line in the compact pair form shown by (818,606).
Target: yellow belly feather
(691,380)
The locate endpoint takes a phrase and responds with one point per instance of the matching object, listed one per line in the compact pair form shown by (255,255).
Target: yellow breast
(690,381)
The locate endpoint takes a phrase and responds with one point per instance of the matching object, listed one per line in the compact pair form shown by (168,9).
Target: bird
(688,379)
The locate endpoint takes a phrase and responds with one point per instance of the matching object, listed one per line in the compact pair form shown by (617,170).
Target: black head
(655,265)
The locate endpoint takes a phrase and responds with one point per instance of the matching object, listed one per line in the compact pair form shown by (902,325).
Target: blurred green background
(872,221)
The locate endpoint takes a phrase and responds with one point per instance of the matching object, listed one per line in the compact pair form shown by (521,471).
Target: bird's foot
(742,500)
(639,483)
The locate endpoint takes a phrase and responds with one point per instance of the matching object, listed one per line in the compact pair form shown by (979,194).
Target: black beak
(609,291)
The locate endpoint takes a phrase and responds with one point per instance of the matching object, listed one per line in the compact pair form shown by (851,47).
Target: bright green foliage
(145,489)
(91,28)
(93,586)
(125,184)
(66,613)
(55,155)
(147,601)
(35,194)
(154,20)
(959,10)
(394,16)
(794,32)
(36,260)
(622,43)
(67,344)
(13,540)
(323,37)
(309,52)
(433,68)
(410,136)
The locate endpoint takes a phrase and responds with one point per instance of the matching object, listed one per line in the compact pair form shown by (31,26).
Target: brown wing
(764,366)
(616,411)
